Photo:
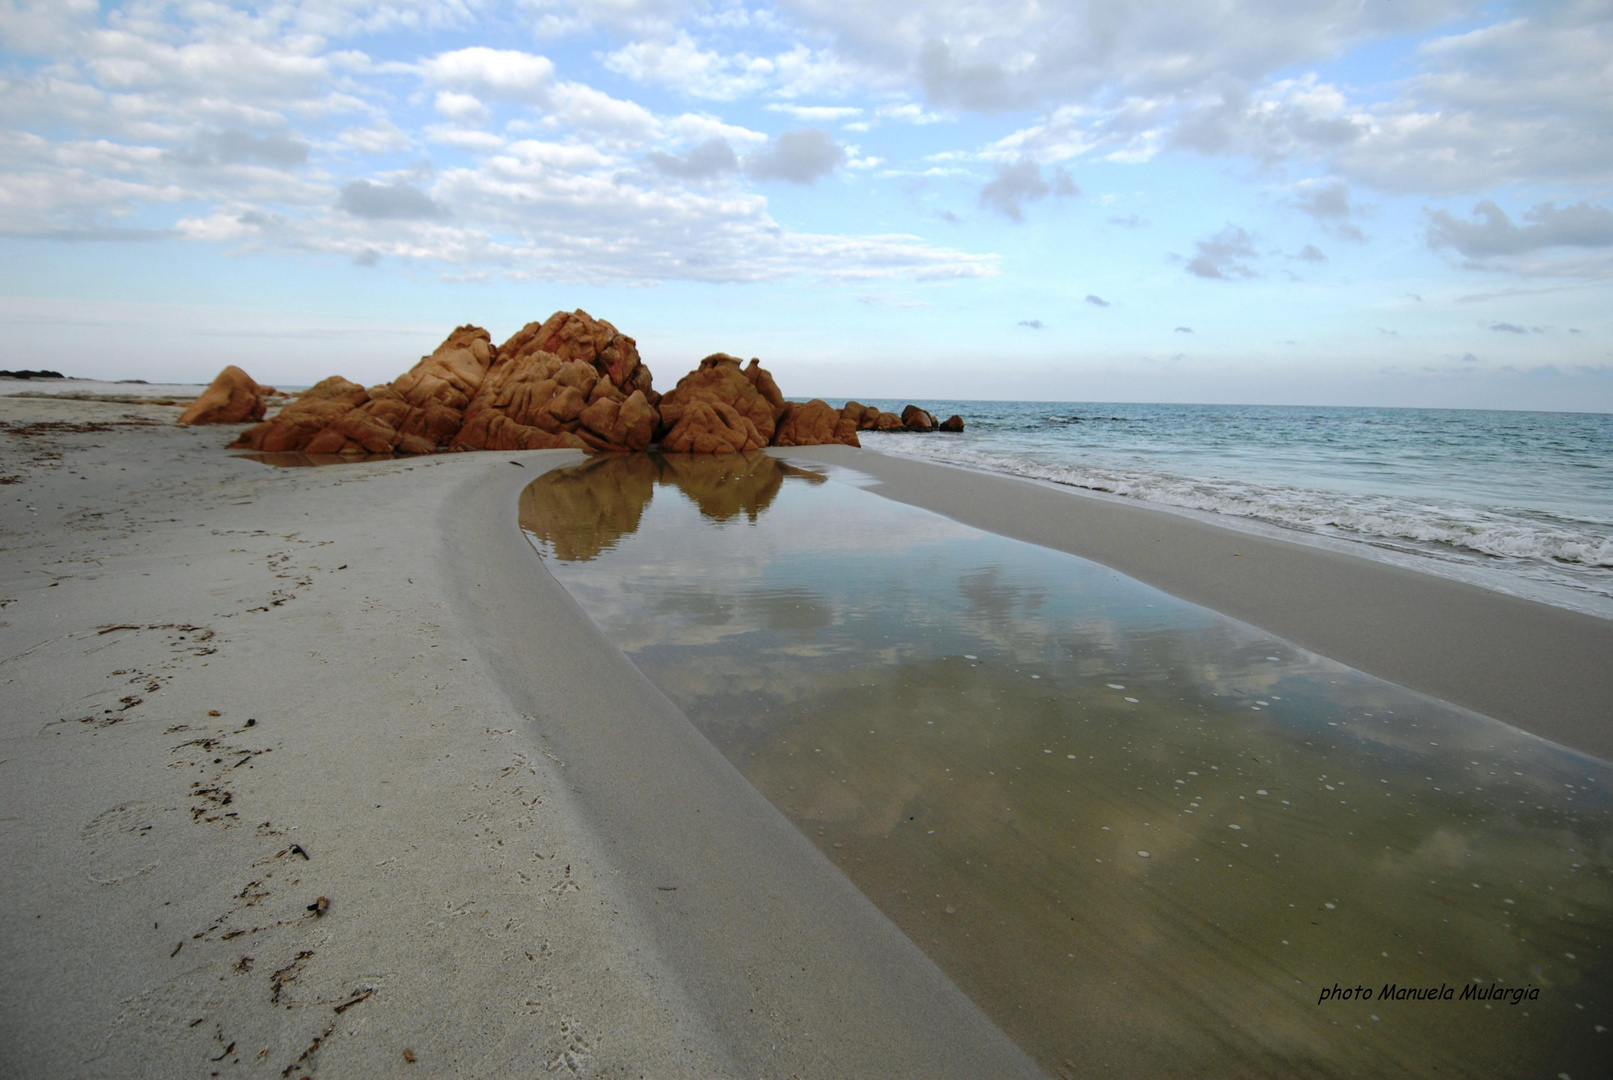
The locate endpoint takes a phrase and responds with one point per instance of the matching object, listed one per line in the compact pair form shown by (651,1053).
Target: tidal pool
(1142,836)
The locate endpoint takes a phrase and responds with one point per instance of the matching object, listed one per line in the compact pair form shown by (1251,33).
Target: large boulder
(421,410)
(570,381)
(953,423)
(888,421)
(532,401)
(814,423)
(866,416)
(296,426)
(711,427)
(760,378)
(576,335)
(535,400)
(232,398)
(916,419)
(721,408)
(625,424)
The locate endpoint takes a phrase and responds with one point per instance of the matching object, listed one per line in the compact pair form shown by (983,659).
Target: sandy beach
(531,860)
(233,691)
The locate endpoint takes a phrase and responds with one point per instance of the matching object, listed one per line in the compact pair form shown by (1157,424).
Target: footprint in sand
(119,844)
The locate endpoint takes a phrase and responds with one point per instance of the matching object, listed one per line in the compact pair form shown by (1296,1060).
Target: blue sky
(1391,202)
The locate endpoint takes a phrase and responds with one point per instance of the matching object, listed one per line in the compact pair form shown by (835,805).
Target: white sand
(533,861)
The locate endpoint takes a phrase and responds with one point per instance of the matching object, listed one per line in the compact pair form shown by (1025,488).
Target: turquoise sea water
(1517,501)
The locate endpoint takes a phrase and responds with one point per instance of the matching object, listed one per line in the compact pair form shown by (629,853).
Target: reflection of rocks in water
(726,485)
(581,511)
(584,510)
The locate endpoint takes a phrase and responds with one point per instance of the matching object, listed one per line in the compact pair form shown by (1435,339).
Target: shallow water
(1521,502)
(987,736)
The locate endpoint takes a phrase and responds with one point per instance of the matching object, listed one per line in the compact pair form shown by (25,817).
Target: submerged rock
(232,398)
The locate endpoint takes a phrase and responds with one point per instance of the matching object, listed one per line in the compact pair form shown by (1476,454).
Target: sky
(1337,202)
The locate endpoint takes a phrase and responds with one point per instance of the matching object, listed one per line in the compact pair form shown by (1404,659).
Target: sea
(1517,502)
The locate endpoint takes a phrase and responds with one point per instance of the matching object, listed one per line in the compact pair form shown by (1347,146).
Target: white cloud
(464,108)
(1062,136)
(472,139)
(502,74)
(909,113)
(684,65)
(398,200)
(984,55)
(262,127)
(698,127)
(1291,117)
(1526,100)
(382,137)
(586,109)
(234,147)
(816,114)
(1329,203)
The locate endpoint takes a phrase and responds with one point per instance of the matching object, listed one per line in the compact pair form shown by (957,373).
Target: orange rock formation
(231,399)
(720,408)
(571,381)
(814,423)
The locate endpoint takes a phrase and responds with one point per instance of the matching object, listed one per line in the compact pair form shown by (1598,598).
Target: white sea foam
(1375,517)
